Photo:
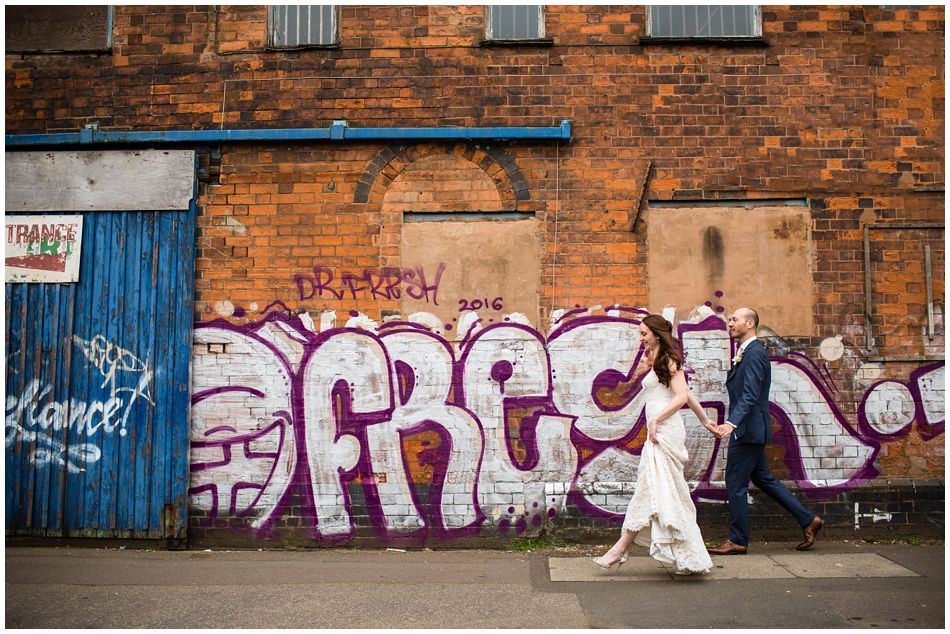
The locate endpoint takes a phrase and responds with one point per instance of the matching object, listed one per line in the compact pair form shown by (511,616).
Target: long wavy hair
(668,347)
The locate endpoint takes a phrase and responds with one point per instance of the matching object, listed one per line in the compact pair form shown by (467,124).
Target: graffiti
(478,304)
(109,358)
(383,283)
(519,425)
(876,516)
(27,421)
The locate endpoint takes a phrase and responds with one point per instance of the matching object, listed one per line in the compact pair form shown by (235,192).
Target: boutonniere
(736,360)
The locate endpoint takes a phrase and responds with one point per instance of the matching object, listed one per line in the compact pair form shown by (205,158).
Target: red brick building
(427,334)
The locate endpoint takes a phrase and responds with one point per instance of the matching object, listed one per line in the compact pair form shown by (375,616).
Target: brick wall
(843,108)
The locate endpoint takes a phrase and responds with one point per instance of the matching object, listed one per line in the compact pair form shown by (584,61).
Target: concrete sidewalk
(838,584)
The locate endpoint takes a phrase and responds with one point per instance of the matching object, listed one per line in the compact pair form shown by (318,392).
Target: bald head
(747,314)
(743,323)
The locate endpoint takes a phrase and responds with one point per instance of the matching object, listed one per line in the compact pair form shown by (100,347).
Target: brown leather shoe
(811,533)
(728,548)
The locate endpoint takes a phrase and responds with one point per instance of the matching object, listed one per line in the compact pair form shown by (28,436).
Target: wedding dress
(661,511)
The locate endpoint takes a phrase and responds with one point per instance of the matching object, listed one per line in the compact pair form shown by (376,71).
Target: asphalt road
(838,584)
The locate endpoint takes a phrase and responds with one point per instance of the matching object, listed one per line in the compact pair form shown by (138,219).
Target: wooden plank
(128,180)
(57,28)
(178,443)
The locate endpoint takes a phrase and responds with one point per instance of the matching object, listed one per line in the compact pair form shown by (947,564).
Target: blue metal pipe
(336,132)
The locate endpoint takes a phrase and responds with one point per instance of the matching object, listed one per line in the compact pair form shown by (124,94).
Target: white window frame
(489,35)
(756,27)
(272,26)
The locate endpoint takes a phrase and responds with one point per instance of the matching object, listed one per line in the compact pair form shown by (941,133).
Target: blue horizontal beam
(336,132)
(562,132)
(67,138)
(213,136)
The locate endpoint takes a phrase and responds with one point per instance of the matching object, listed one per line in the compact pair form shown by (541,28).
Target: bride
(661,514)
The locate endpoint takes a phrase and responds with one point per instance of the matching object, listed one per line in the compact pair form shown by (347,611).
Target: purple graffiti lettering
(350,280)
(276,304)
(519,425)
(418,288)
(317,283)
(374,286)
(384,283)
(321,283)
(394,279)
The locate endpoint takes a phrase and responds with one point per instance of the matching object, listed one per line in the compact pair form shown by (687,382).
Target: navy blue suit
(748,384)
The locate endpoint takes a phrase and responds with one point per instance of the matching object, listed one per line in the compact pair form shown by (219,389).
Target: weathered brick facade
(836,113)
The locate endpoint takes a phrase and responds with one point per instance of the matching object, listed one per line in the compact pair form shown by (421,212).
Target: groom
(750,428)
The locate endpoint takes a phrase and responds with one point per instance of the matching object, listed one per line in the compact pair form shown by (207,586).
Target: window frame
(335,23)
(756,37)
(491,39)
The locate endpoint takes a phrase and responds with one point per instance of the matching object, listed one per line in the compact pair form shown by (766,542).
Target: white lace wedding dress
(661,511)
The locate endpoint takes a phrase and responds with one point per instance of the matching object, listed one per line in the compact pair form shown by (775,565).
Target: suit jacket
(748,384)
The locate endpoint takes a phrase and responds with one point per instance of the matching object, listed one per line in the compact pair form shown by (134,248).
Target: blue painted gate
(97,385)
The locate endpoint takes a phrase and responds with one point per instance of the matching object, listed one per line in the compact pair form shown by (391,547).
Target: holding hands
(719,431)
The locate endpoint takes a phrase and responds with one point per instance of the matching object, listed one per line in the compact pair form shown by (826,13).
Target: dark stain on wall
(713,253)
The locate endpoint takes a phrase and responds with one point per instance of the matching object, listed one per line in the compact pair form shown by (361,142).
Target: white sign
(43,248)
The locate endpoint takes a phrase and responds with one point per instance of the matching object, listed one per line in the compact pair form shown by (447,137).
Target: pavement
(838,584)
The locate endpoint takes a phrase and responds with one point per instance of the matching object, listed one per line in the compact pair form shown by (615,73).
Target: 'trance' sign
(43,248)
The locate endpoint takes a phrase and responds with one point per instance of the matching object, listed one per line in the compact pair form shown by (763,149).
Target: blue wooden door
(97,386)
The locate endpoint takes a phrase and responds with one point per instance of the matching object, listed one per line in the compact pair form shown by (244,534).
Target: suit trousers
(747,462)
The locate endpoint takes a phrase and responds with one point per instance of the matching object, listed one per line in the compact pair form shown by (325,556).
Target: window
(292,25)
(515,22)
(58,29)
(714,21)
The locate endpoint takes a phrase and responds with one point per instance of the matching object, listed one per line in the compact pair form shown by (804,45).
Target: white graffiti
(876,516)
(889,407)
(930,385)
(830,454)
(327,408)
(32,417)
(357,363)
(251,387)
(426,400)
(109,359)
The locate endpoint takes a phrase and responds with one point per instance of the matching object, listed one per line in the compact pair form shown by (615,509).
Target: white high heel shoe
(600,561)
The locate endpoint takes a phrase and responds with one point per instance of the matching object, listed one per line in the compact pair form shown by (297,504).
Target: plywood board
(491,267)
(128,180)
(57,28)
(733,257)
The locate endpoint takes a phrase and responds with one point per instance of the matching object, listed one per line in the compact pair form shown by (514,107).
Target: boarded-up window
(458,231)
(733,256)
(490,267)
(58,28)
